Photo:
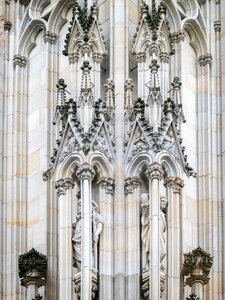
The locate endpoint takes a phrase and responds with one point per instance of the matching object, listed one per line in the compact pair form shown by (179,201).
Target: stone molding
(32,268)
(131,183)
(205,59)
(197,265)
(85,171)
(19,60)
(175,183)
(141,57)
(164,57)
(50,37)
(107,183)
(62,185)
(7,26)
(177,36)
(154,171)
(217,26)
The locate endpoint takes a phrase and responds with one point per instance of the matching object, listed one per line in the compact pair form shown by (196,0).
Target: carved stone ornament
(175,183)
(85,171)
(100,144)
(131,183)
(217,26)
(32,268)
(205,59)
(50,37)
(77,283)
(107,183)
(19,60)
(145,284)
(178,36)
(141,57)
(192,297)
(38,297)
(71,146)
(154,171)
(7,25)
(62,185)
(197,265)
(164,57)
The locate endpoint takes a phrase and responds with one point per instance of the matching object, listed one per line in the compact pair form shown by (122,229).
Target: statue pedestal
(145,283)
(94,284)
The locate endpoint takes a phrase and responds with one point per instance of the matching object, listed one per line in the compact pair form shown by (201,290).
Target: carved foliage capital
(164,57)
(141,57)
(7,25)
(197,265)
(175,183)
(32,268)
(154,171)
(85,171)
(50,37)
(19,60)
(217,26)
(62,185)
(107,183)
(193,297)
(97,57)
(131,183)
(73,57)
(205,59)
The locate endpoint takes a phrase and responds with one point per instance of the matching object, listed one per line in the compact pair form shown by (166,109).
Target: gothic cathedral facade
(112,149)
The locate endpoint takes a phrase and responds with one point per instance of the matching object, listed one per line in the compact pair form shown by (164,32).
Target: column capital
(50,37)
(217,26)
(197,265)
(205,59)
(32,268)
(107,183)
(164,57)
(7,25)
(73,57)
(59,185)
(177,36)
(131,183)
(85,171)
(19,60)
(154,171)
(97,57)
(141,57)
(175,183)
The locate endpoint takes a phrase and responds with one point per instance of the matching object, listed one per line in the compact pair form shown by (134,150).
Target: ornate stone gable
(153,30)
(84,35)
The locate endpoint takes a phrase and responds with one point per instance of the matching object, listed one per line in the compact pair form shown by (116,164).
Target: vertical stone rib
(119,202)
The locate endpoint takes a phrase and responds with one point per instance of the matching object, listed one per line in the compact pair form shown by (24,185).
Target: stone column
(97,59)
(165,59)
(154,173)
(86,173)
(105,271)
(32,271)
(197,265)
(174,189)
(141,57)
(63,187)
(132,190)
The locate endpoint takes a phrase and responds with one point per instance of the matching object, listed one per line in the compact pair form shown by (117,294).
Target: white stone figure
(97,223)
(145,229)
(76,238)
(163,229)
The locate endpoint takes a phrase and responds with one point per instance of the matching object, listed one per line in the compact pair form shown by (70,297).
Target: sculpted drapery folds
(97,227)
(146,231)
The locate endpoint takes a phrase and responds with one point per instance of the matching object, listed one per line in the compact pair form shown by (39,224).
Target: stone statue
(97,227)
(163,229)
(76,238)
(145,229)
